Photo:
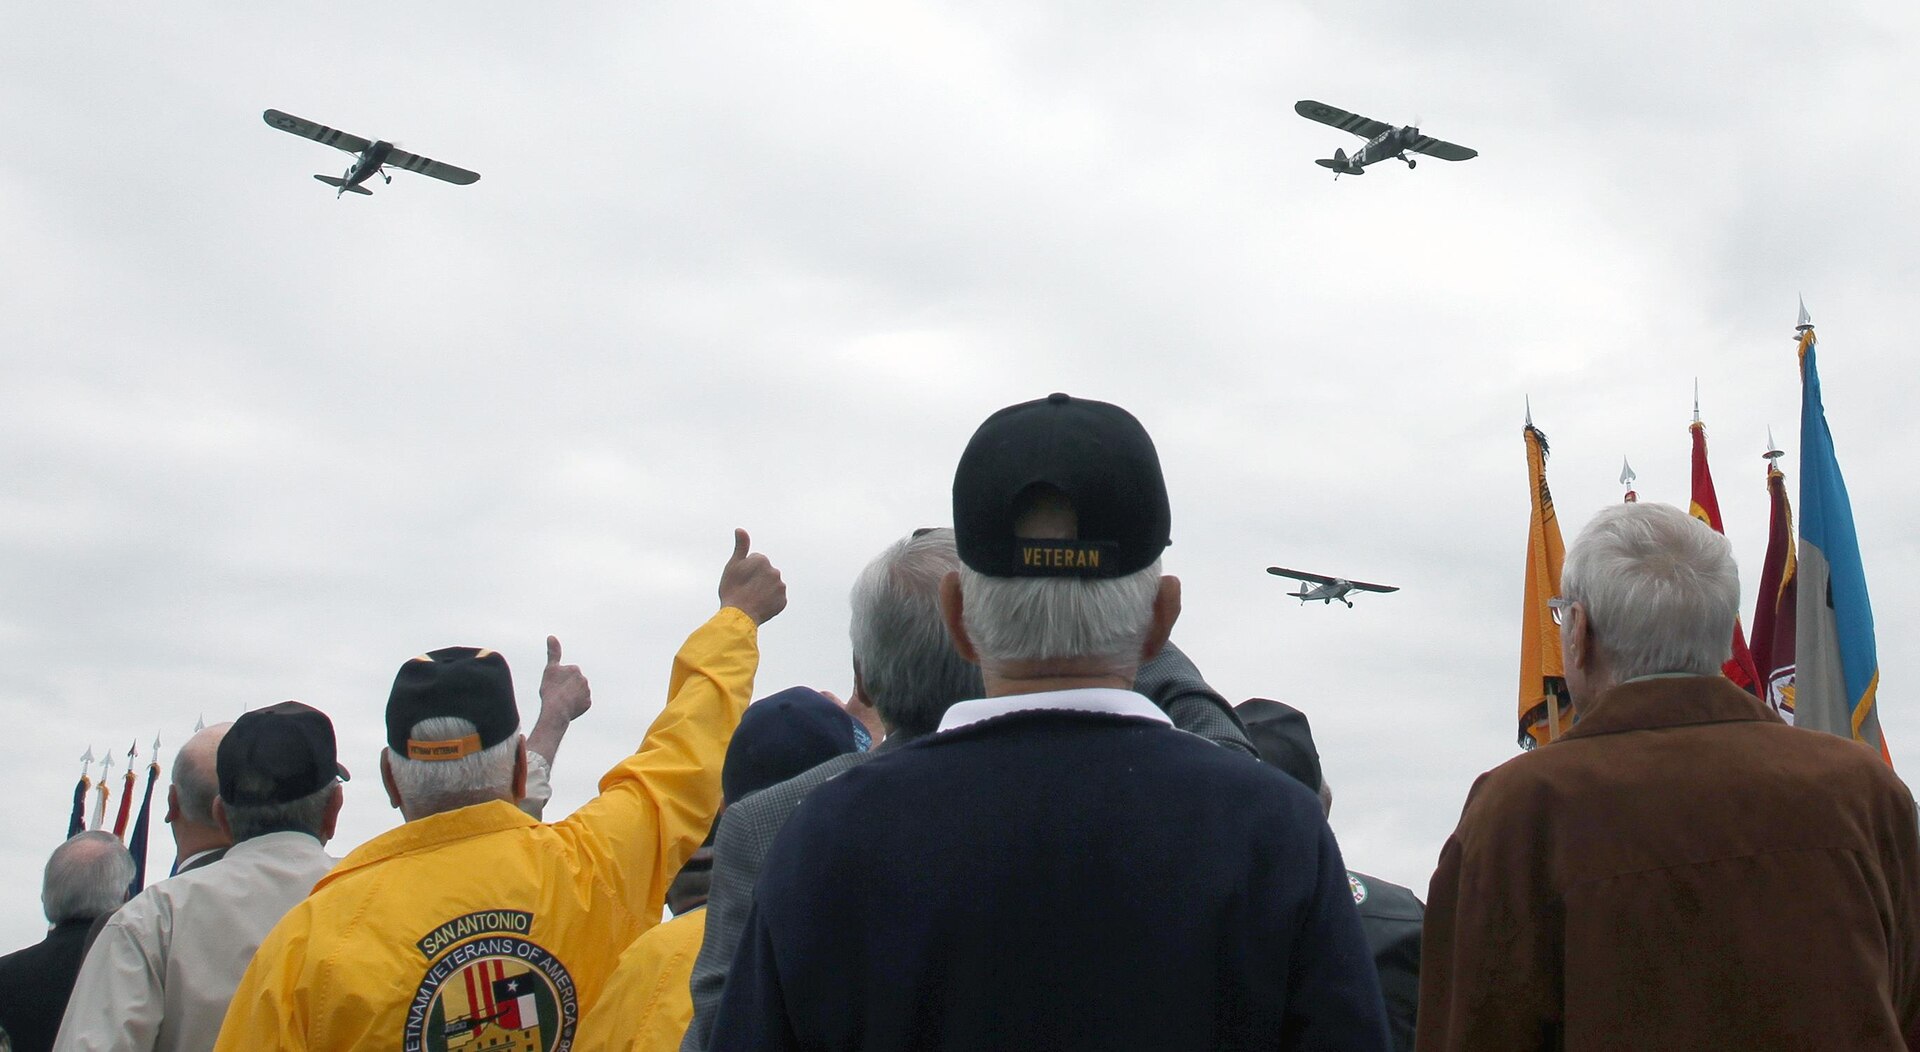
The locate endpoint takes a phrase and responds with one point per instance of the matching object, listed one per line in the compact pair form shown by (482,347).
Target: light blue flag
(1838,673)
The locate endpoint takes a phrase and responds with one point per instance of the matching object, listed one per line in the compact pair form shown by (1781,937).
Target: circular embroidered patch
(500,993)
(1358,887)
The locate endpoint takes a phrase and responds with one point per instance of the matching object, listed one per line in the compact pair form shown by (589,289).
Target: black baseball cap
(277,755)
(470,683)
(1094,455)
(1283,738)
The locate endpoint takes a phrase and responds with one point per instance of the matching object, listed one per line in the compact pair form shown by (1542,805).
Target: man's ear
(1166,610)
(173,804)
(220,818)
(520,770)
(331,819)
(951,612)
(386,778)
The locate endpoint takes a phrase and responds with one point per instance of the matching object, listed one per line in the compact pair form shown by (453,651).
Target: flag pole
(137,845)
(77,819)
(101,792)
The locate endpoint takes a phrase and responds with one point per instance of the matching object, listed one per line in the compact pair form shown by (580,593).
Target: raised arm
(1174,684)
(565,696)
(655,808)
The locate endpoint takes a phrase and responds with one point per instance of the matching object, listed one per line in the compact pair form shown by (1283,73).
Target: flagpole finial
(1806,320)
(156,745)
(200,724)
(1774,452)
(1626,479)
(88,758)
(1529,399)
(1696,399)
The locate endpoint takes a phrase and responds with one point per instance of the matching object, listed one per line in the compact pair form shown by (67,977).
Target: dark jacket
(1680,871)
(1390,915)
(36,982)
(1055,880)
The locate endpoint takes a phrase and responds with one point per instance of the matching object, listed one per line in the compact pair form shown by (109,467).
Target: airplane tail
(1340,164)
(341,184)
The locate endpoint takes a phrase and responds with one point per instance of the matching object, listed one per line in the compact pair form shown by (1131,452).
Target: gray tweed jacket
(747,828)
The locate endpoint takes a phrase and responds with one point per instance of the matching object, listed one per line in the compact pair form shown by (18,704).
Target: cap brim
(341,770)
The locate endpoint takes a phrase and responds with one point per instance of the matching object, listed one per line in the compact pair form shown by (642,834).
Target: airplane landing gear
(1349,603)
(1409,160)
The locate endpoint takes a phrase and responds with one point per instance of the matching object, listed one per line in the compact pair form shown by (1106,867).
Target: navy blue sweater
(1055,880)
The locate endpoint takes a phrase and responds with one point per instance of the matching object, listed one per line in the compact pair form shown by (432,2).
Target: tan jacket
(1680,871)
(481,928)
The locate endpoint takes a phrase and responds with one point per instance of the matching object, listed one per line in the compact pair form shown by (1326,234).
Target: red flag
(1773,620)
(126,795)
(1706,507)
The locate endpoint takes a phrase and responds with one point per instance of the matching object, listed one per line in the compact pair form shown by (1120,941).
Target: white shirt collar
(1106,700)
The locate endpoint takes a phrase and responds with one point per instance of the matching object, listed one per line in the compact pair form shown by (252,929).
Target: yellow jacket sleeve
(655,807)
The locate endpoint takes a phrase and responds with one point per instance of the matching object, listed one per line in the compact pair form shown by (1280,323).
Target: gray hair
(86,877)
(306,815)
(195,776)
(1051,618)
(1660,589)
(429,787)
(908,667)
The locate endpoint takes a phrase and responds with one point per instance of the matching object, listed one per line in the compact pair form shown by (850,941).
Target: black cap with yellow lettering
(470,683)
(1093,457)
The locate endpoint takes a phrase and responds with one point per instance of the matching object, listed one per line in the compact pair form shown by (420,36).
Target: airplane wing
(320,133)
(413,162)
(1365,587)
(1364,127)
(1446,151)
(1309,578)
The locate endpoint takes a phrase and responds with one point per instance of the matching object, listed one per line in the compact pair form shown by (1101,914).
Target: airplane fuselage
(1388,145)
(368,163)
(1325,593)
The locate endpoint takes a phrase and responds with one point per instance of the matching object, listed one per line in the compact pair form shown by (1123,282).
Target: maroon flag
(137,844)
(1773,619)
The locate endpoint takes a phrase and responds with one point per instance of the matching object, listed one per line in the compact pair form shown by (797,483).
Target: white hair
(1053,618)
(1660,589)
(306,815)
(908,667)
(428,787)
(86,877)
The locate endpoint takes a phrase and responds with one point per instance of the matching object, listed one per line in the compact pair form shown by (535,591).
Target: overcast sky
(769,264)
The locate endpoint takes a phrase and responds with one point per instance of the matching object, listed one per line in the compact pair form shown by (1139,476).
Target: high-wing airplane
(371,158)
(1326,589)
(1383,140)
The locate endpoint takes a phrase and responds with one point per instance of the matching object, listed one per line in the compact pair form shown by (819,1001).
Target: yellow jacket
(648,1001)
(482,929)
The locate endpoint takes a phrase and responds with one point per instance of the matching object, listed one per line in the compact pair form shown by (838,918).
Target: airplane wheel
(1411,163)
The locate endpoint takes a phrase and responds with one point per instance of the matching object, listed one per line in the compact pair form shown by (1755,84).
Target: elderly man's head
(453,733)
(279,772)
(190,796)
(1060,514)
(904,663)
(86,877)
(1652,590)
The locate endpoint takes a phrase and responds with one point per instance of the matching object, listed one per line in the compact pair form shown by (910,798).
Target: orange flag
(1544,712)
(1706,507)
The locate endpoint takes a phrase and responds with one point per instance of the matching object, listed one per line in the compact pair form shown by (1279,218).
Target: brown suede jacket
(1680,871)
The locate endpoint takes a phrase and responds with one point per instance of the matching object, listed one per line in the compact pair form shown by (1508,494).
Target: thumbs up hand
(564,691)
(750,584)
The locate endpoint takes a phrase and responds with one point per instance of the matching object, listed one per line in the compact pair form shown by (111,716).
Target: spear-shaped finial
(1806,320)
(87,760)
(1626,473)
(156,746)
(200,724)
(1696,399)
(1774,452)
(133,750)
(1529,399)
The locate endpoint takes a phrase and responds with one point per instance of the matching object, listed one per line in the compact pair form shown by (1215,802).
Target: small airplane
(1383,140)
(1326,589)
(372,159)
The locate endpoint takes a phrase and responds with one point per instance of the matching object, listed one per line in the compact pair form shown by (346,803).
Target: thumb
(553,651)
(741,542)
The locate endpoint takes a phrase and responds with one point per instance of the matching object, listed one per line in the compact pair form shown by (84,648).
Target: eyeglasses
(1557,608)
